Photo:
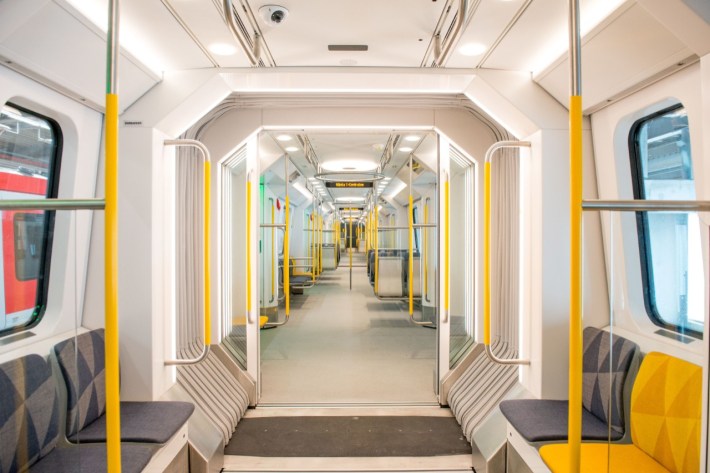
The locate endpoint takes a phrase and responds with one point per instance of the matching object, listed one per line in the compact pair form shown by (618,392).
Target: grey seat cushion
(606,365)
(29,412)
(92,459)
(148,422)
(541,420)
(82,366)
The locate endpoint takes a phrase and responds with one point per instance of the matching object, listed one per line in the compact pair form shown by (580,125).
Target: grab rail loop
(206,255)
(487,250)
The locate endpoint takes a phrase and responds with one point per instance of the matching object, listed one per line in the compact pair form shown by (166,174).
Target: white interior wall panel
(614,60)
(53,46)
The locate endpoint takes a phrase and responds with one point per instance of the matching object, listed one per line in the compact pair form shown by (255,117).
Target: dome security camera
(273,15)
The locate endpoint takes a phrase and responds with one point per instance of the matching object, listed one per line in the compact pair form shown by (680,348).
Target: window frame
(43,278)
(647,281)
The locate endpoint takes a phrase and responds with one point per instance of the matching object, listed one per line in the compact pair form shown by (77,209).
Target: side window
(30,147)
(669,242)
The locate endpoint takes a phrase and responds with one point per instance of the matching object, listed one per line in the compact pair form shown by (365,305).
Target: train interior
(354,236)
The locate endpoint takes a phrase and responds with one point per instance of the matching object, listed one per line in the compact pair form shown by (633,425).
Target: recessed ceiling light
(349,165)
(472,49)
(411,138)
(405,149)
(222,49)
(291,149)
(284,138)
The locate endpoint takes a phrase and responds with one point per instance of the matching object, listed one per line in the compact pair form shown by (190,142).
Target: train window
(669,243)
(30,147)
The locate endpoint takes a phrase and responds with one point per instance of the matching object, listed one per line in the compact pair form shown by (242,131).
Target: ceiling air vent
(347,47)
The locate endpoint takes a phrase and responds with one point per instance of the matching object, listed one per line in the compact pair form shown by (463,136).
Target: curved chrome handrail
(487,250)
(206,263)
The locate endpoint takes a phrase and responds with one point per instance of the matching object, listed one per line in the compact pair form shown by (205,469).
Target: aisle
(347,347)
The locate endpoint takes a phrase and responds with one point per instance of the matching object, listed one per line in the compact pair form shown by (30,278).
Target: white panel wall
(81,130)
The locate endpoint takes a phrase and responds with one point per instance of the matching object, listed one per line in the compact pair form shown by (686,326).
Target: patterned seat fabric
(82,365)
(666,407)
(606,370)
(29,412)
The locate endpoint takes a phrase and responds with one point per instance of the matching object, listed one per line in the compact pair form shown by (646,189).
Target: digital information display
(348,184)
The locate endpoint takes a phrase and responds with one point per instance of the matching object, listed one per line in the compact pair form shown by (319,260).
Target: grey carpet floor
(363,436)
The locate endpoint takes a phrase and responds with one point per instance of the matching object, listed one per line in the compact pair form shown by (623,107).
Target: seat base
(92,459)
(625,458)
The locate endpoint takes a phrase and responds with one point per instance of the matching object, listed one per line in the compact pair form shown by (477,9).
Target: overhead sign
(348,184)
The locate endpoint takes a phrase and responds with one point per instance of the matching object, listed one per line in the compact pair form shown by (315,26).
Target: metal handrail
(53,204)
(487,250)
(206,256)
(646,205)
(455,34)
(234,29)
(447,255)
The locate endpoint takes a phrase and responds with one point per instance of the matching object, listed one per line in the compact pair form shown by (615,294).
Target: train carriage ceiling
(61,42)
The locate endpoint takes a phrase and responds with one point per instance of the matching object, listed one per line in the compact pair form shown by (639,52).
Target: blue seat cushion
(92,459)
(147,422)
(542,420)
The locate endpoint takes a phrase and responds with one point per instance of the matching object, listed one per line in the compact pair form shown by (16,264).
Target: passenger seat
(29,426)
(82,366)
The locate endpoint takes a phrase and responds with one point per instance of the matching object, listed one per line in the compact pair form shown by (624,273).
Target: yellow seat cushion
(241,321)
(595,459)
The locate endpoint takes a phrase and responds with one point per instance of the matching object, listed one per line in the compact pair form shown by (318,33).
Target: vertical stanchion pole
(287,260)
(273,254)
(575,324)
(487,253)
(410,260)
(248,229)
(113,406)
(447,259)
(351,250)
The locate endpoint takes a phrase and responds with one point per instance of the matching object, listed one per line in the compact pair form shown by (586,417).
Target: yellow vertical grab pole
(410,271)
(312,233)
(287,261)
(574,433)
(447,262)
(320,247)
(377,248)
(248,228)
(206,252)
(113,401)
(487,253)
(351,242)
(273,253)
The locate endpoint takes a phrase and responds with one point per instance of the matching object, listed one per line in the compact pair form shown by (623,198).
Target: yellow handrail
(273,253)
(447,263)
(248,226)
(487,250)
(287,261)
(206,249)
(574,432)
(113,401)
(410,270)
(377,249)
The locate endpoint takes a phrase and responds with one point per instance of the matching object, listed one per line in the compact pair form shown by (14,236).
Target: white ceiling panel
(397,32)
(204,21)
(613,60)
(56,46)
(487,23)
(540,35)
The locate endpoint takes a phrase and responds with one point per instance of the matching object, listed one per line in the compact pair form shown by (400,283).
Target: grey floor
(347,347)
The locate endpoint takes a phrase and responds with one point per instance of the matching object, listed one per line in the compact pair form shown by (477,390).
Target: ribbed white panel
(212,387)
(485,383)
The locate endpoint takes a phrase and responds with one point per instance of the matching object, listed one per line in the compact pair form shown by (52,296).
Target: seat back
(82,366)
(601,378)
(29,412)
(666,405)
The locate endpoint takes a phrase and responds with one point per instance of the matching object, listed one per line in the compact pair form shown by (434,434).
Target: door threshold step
(447,463)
